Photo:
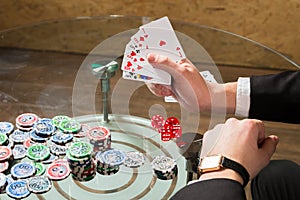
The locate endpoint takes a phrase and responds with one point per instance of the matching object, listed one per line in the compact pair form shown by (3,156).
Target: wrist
(224,173)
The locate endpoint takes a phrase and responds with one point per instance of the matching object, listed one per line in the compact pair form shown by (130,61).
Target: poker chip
(3,139)
(38,152)
(80,149)
(10,144)
(4,166)
(35,137)
(61,138)
(39,184)
(58,171)
(5,153)
(19,151)
(134,159)
(112,157)
(165,168)
(19,136)
(57,149)
(83,132)
(3,182)
(26,119)
(50,159)
(17,189)
(28,142)
(22,170)
(69,126)
(157,122)
(57,119)
(100,138)
(6,128)
(44,127)
(40,168)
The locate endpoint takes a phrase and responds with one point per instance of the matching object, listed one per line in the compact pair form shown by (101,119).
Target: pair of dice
(168,129)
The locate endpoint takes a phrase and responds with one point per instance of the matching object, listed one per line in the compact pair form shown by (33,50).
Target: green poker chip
(69,126)
(80,149)
(38,152)
(3,139)
(59,118)
(40,168)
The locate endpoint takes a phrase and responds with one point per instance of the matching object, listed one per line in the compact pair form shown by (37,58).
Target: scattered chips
(134,159)
(38,152)
(22,170)
(17,189)
(39,184)
(58,171)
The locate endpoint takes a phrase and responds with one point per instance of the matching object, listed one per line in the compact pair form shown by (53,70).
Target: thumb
(162,62)
(269,146)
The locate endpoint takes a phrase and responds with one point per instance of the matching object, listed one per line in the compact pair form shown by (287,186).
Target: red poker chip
(157,122)
(98,133)
(26,119)
(58,171)
(5,153)
(3,166)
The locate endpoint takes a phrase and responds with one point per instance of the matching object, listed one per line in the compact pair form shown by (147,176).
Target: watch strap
(240,169)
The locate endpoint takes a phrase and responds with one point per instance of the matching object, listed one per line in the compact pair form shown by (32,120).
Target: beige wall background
(274,23)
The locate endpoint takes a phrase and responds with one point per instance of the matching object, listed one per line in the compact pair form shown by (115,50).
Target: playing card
(161,41)
(163,23)
(148,79)
(134,62)
(155,37)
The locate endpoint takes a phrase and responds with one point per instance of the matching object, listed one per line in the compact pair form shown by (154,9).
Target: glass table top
(46,69)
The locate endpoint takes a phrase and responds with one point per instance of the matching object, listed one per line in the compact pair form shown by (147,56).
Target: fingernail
(151,57)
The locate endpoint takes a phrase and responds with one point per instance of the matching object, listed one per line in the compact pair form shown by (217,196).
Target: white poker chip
(163,164)
(39,184)
(19,151)
(134,159)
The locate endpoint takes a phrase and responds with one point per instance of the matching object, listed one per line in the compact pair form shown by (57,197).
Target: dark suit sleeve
(214,189)
(276,97)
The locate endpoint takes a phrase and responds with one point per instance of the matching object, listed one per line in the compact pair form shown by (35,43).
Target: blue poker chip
(44,127)
(62,138)
(17,189)
(23,170)
(6,128)
(19,136)
(112,157)
(36,137)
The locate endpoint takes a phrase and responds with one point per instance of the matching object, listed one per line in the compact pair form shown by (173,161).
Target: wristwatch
(219,162)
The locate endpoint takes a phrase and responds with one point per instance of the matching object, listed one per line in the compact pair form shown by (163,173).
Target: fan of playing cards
(155,37)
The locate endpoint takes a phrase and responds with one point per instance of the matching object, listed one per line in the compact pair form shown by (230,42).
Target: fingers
(160,90)
(164,63)
(269,146)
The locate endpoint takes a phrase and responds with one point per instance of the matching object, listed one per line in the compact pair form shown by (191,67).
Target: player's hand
(188,86)
(243,141)
(190,89)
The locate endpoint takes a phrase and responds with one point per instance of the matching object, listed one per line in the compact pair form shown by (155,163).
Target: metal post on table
(104,73)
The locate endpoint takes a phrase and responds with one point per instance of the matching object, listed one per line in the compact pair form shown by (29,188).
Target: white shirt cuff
(242,97)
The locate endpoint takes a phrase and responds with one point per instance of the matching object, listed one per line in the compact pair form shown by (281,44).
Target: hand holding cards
(155,37)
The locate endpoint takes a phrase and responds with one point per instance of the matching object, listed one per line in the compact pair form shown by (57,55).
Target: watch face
(210,163)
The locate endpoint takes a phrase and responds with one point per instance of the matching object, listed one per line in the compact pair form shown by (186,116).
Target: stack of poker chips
(6,158)
(100,138)
(109,161)
(81,163)
(165,168)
